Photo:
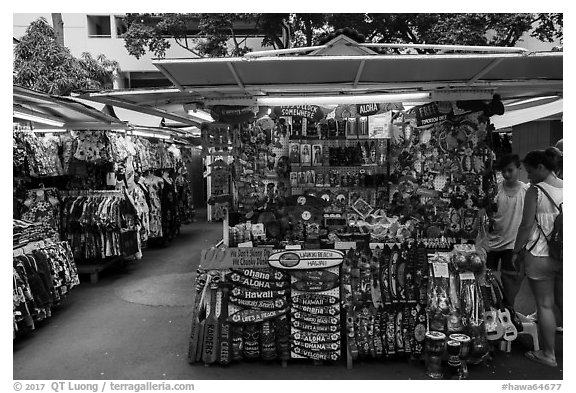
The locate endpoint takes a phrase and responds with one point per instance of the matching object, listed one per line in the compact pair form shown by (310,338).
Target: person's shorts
(542,268)
(505,257)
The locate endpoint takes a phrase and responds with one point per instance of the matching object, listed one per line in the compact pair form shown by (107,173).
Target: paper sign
(440,270)
(467,276)
(228,258)
(293,247)
(379,126)
(344,245)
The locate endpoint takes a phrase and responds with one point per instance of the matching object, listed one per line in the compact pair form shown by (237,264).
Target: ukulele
(494,329)
(510,331)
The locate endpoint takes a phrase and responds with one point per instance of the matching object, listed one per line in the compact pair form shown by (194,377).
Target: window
(120,26)
(99,26)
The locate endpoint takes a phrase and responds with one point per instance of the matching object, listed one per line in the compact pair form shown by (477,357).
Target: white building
(102,34)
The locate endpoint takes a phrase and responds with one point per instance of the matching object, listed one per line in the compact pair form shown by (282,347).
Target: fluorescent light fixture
(37,118)
(50,131)
(200,116)
(343,99)
(462,95)
(196,114)
(150,134)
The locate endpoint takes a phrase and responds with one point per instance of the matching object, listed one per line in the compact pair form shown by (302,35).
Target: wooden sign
(254,316)
(306,259)
(315,319)
(316,355)
(312,299)
(264,304)
(318,310)
(319,347)
(315,275)
(248,294)
(261,274)
(314,286)
(316,337)
(255,283)
(310,327)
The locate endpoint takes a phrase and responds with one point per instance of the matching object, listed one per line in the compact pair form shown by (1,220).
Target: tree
(42,63)
(210,35)
(58,25)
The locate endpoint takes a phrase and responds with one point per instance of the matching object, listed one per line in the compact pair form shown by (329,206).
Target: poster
(305,155)
(294,153)
(317,155)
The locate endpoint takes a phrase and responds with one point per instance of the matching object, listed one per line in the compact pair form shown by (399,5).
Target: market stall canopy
(441,77)
(524,111)
(168,103)
(48,111)
(351,75)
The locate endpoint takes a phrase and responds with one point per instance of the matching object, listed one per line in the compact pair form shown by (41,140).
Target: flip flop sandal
(533,355)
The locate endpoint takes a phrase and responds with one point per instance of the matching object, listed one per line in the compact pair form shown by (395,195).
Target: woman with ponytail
(544,273)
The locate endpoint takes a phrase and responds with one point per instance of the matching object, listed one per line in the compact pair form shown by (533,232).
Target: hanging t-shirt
(508,217)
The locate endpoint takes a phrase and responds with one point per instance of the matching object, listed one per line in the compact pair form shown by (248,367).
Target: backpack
(554,241)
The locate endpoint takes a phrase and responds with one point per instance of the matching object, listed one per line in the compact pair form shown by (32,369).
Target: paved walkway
(135,323)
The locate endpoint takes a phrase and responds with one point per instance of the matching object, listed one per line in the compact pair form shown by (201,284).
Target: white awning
(530,111)
(446,76)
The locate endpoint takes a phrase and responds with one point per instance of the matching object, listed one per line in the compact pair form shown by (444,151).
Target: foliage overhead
(42,64)
(219,35)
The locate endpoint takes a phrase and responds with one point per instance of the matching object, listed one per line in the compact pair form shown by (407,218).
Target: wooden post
(207,162)
(225,228)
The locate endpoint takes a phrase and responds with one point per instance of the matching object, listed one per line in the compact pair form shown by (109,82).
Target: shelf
(336,167)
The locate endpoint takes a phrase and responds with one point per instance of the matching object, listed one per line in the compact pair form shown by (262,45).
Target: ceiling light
(149,134)
(342,99)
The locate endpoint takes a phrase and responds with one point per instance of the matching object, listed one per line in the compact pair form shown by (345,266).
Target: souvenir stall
(370,256)
(351,201)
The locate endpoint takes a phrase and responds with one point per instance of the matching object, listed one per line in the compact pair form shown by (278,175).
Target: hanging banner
(379,126)
(233,114)
(367,109)
(428,114)
(311,112)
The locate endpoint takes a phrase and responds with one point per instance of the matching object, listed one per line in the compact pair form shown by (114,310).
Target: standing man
(504,226)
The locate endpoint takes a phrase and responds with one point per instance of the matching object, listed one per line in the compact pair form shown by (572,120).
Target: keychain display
(237,315)
(385,315)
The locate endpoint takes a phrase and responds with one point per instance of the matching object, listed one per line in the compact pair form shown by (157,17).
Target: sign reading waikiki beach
(306,259)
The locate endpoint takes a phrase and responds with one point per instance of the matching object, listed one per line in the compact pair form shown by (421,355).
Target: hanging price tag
(440,270)
(293,247)
(467,276)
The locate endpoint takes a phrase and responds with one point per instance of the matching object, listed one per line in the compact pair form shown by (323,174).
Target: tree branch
(234,38)
(186,46)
